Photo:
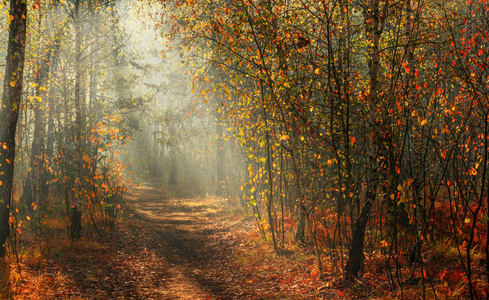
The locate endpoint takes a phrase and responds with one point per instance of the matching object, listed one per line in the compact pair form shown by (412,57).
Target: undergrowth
(39,265)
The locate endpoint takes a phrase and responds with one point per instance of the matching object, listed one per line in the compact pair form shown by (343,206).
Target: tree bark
(271,219)
(220,153)
(172,180)
(9,111)
(300,235)
(75,214)
(49,150)
(35,183)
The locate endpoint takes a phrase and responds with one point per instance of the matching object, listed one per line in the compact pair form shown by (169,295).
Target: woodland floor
(171,247)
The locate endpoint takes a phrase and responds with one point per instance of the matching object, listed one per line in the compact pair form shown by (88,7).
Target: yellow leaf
(316,71)
(284,137)
(28,218)
(423,122)
(467,220)
(12,83)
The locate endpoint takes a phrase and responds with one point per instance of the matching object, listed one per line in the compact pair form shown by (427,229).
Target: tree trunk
(75,215)
(300,235)
(35,185)
(220,153)
(415,254)
(31,196)
(49,151)
(373,32)
(271,219)
(173,165)
(355,260)
(9,111)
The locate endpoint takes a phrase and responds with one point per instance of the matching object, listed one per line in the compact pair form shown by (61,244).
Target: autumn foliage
(360,129)
(364,123)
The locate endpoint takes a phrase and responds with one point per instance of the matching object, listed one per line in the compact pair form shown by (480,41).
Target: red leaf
(406,67)
(443,153)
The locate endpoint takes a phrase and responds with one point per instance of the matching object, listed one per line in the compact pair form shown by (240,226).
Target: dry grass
(34,268)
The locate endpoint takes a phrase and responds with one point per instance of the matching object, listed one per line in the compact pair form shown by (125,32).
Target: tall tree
(9,110)
(374,16)
(75,212)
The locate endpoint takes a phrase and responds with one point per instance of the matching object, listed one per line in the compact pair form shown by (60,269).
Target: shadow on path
(173,232)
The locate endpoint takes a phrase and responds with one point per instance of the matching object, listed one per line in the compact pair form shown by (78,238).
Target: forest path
(167,246)
(169,249)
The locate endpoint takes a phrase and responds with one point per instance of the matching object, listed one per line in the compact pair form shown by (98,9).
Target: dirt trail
(170,249)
